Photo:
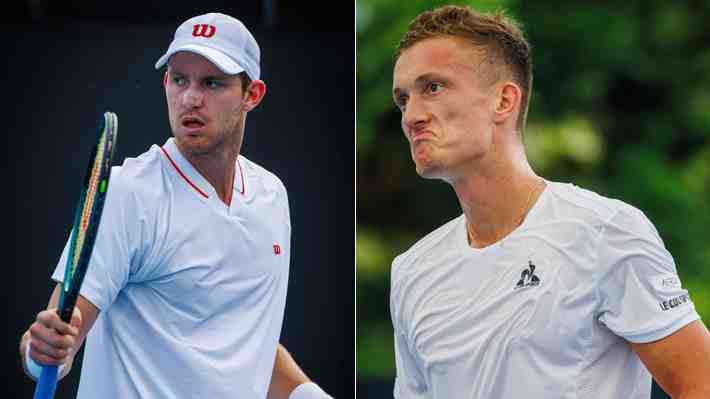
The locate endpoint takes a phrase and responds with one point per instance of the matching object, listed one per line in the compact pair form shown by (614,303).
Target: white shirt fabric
(476,323)
(191,291)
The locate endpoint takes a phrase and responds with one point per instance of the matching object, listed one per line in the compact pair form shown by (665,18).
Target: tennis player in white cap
(539,289)
(185,293)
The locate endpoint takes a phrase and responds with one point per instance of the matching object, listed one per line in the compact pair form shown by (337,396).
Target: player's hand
(53,341)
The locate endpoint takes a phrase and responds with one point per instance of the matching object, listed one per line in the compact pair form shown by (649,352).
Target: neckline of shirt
(462,233)
(193,178)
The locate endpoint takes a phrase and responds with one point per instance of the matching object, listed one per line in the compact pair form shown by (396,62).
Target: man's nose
(415,114)
(192,97)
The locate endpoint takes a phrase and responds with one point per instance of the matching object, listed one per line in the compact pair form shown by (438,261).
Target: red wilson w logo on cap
(203,30)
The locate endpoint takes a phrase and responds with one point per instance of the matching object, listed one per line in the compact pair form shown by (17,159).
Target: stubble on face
(228,135)
(221,108)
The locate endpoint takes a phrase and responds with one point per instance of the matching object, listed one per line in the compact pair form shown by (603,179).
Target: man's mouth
(192,122)
(421,136)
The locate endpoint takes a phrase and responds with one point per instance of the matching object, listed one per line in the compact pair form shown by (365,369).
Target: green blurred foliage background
(620,105)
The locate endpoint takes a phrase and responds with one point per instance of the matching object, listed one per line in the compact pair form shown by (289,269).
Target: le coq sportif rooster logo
(528,277)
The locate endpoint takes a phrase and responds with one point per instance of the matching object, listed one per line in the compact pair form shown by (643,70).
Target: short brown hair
(500,37)
(244,78)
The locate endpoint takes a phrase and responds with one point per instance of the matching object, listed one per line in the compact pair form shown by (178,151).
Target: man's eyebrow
(427,77)
(216,77)
(174,71)
(419,81)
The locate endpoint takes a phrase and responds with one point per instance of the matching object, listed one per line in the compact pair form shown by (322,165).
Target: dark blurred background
(66,62)
(620,105)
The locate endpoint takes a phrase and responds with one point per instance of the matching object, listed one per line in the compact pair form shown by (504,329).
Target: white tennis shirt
(191,291)
(544,313)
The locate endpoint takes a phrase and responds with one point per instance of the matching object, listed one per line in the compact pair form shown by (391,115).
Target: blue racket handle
(47,383)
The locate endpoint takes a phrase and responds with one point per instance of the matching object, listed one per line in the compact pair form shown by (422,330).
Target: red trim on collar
(242,175)
(183,175)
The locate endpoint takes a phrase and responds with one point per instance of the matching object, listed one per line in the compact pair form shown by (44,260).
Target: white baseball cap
(222,39)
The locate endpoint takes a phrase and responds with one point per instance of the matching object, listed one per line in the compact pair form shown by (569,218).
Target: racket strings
(89,199)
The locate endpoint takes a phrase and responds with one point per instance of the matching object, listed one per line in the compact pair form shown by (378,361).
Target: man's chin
(194,144)
(429,170)
(427,165)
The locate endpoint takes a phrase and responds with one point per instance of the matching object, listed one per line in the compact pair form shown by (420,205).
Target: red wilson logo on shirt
(277,249)
(203,30)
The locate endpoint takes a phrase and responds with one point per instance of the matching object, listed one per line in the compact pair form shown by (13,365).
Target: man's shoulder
(598,211)
(140,175)
(424,246)
(259,177)
(571,200)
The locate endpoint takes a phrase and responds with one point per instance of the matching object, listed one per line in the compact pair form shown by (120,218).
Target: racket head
(88,214)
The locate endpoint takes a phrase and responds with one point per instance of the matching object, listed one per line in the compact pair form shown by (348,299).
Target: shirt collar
(193,178)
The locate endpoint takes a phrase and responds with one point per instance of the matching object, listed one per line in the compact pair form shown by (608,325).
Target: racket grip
(47,383)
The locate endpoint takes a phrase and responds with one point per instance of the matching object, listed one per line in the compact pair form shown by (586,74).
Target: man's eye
(178,80)
(214,84)
(434,87)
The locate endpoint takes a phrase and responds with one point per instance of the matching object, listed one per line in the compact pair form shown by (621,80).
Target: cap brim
(218,58)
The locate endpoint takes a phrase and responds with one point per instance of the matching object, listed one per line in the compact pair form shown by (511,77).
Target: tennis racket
(83,236)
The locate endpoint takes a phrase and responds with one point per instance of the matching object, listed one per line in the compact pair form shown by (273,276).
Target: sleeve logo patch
(674,302)
(670,282)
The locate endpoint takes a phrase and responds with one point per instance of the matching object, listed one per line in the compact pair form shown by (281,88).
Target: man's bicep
(680,362)
(641,297)
(409,382)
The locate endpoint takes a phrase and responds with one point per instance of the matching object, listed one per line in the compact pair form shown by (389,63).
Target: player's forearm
(286,375)
(50,341)
(698,389)
(703,394)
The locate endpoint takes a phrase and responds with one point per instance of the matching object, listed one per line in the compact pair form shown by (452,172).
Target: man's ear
(508,105)
(165,79)
(254,94)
